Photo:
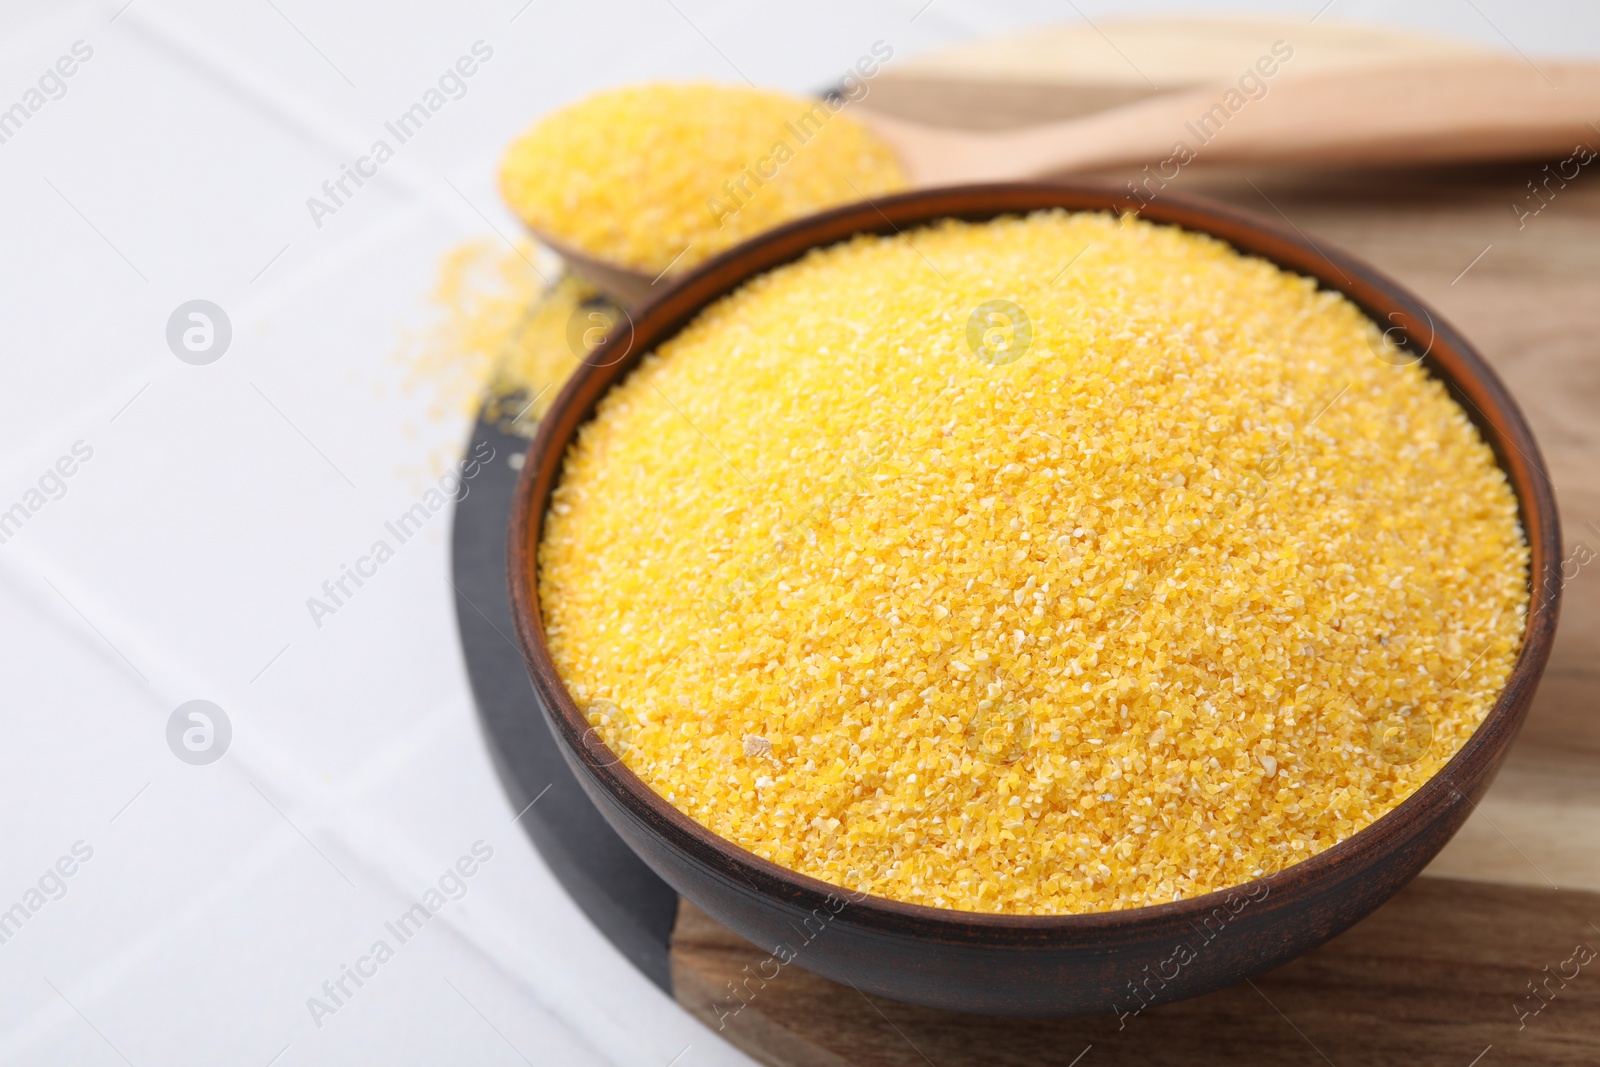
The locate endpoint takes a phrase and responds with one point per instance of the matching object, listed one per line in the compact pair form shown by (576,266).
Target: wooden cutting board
(1446,972)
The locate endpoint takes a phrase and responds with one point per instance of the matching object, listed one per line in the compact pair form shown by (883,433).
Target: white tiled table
(176,561)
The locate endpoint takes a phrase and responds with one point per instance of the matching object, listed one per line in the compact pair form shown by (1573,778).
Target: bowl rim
(1470,380)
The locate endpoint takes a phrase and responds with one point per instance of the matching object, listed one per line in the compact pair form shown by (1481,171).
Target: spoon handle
(1457,111)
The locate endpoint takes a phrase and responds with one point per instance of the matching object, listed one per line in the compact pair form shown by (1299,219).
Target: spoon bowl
(624,286)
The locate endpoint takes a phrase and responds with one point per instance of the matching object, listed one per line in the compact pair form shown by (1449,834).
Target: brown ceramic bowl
(1042,965)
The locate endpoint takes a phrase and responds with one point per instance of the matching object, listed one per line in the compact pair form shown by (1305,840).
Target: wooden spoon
(1463,111)
(1458,111)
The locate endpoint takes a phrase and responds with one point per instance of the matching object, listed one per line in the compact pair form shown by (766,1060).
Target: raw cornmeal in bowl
(1043,565)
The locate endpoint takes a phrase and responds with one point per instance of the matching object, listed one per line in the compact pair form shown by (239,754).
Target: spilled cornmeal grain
(1199,586)
(503,339)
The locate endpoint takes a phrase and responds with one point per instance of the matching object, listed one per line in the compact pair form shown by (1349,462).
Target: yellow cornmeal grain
(1200,586)
(504,339)
(665,175)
